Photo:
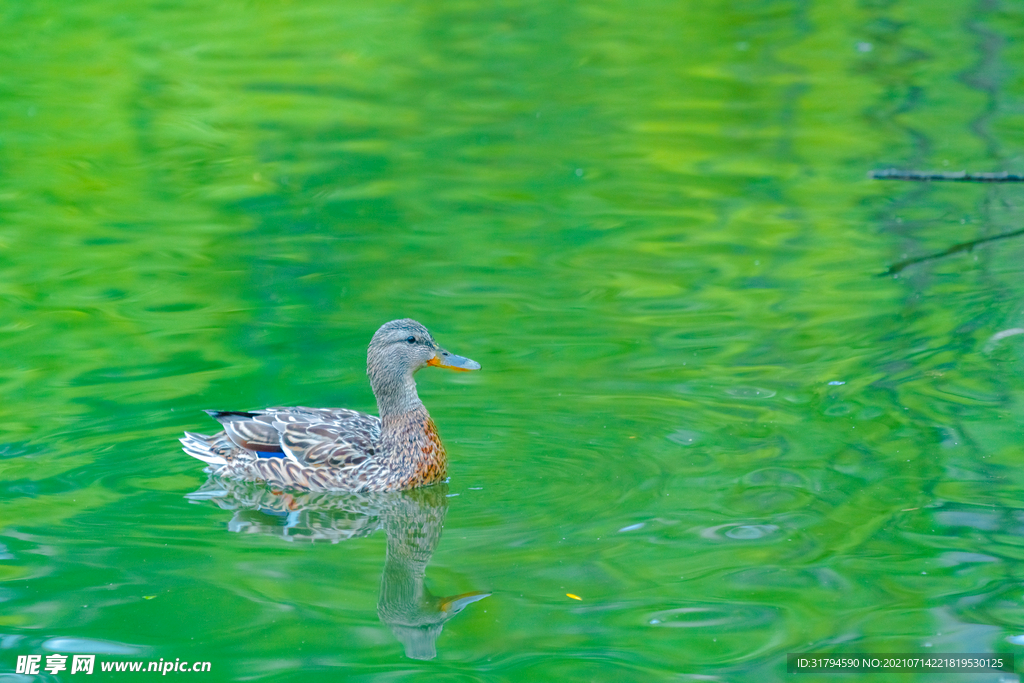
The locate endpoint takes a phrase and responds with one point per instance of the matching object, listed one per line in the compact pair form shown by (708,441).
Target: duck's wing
(317,438)
(324,437)
(247,430)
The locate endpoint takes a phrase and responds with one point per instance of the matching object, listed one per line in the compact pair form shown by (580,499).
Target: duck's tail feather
(212,450)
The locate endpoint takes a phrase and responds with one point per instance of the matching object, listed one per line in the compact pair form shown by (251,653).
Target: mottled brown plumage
(335,449)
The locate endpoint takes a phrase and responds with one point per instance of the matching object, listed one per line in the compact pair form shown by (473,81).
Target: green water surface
(704,410)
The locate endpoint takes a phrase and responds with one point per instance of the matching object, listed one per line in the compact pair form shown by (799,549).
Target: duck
(337,449)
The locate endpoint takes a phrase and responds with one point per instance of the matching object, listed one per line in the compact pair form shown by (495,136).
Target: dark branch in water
(955,249)
(956,177)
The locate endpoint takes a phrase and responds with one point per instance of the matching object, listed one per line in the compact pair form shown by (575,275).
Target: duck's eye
(411,340)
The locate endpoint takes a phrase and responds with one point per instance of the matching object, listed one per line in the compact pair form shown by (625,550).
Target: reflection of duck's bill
(457,603)
(443,359)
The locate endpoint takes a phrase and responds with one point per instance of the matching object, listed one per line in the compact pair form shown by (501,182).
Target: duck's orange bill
(453,362)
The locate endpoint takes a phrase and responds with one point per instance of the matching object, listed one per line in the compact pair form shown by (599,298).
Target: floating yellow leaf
(574,597)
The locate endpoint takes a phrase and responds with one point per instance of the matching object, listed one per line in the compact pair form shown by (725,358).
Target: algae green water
(702,411)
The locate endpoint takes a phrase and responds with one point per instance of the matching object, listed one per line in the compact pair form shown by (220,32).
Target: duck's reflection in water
(412,521)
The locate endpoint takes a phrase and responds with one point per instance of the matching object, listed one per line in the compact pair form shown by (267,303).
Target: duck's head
(401,347)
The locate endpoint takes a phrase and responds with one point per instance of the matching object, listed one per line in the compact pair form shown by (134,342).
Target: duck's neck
(396,395)
(409,442)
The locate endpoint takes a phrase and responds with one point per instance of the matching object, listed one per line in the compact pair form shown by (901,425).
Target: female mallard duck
(334,449)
